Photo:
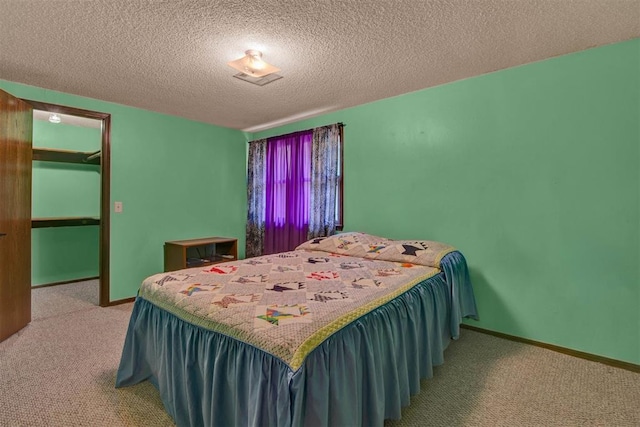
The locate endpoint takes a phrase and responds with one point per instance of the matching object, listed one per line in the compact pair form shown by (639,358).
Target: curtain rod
(340,124)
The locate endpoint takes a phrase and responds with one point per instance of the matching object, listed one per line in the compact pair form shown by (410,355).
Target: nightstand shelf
(180,254)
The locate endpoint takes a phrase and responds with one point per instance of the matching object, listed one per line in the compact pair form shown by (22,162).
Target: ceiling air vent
(260,81)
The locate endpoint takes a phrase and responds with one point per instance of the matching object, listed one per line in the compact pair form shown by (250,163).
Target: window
(294,189)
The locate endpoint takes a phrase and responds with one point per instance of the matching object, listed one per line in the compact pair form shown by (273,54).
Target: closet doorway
(69,158)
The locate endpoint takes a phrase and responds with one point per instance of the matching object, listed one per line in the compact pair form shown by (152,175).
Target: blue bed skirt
(361,375)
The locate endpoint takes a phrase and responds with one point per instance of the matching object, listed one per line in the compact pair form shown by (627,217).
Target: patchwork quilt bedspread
(287,304)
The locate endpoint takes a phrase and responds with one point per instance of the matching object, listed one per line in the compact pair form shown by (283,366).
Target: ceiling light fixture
(54,118)
(253,65)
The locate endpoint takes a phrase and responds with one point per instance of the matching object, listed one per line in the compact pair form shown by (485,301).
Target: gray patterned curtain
(256,197)
(325,155)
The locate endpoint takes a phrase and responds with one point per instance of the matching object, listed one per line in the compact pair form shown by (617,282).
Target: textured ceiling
(171,56)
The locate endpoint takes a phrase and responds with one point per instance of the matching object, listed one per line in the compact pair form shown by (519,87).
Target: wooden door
(16,128)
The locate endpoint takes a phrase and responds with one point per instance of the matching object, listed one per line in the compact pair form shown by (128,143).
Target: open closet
(17,224)
(70,197)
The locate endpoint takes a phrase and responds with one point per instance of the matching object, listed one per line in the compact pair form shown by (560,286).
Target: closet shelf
(66,156)
(68,221)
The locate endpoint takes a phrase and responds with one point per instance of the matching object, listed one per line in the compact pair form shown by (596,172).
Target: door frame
(105,185)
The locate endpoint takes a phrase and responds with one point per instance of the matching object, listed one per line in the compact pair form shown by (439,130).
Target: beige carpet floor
(60,371)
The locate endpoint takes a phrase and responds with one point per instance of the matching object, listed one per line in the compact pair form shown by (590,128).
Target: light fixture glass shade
(253,65)
(54,118)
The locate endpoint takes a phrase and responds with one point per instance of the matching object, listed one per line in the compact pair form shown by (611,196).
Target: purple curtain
(288,186)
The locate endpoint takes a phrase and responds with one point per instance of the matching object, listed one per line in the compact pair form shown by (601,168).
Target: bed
(338,332)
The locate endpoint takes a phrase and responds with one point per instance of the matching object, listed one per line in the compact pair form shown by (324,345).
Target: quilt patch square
(283,268)
(161,281)
(279,315)
(365,282)
(250,279)
(285,286)
(197,288)
(328,296)
(351,265)
(222,269)
(227,300)
(386,272)
(323,275)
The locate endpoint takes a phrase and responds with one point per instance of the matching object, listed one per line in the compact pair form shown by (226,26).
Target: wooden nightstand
(179,254)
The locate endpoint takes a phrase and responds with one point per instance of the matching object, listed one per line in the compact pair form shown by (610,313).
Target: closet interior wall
(65,187)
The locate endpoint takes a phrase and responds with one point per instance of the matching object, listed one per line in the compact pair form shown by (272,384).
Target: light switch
(117,207)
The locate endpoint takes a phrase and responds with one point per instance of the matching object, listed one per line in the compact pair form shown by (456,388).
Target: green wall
(177,179)
(533,173)
(64,189)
